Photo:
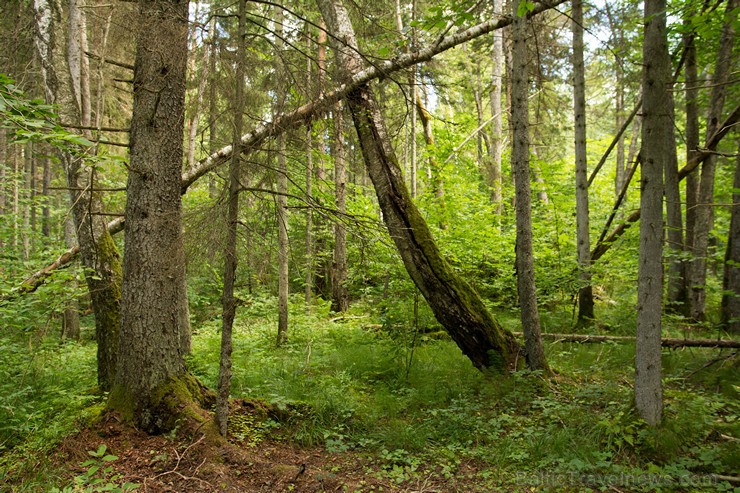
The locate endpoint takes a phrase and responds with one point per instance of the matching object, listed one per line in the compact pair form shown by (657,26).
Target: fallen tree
(672,343)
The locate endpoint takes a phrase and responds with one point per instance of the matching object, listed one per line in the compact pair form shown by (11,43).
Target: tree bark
(71,313)
(153,388)
(692,143)
(585,293)
(456,306)
(228,300)
(497,132)
(526,287)
(340,296)
(730,309)
(282,202)
(655,151)
(705,204)
(309,179)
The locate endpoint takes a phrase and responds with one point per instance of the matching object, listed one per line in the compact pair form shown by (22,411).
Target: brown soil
(260,463)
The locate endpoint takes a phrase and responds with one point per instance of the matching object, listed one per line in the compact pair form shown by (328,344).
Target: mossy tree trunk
(153,387)
(454,303)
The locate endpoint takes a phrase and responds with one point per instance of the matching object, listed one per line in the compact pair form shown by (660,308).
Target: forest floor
(158,464)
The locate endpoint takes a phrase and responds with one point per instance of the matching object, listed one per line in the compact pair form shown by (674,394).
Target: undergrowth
(407,398)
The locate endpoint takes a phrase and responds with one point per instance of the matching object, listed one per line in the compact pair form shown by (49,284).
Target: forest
(365,246)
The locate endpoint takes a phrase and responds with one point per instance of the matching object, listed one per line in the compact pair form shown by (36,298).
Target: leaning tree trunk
(153,388)
(98,252)
(655,152)
(455,304)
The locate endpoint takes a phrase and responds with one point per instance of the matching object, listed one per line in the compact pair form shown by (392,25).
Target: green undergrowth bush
(47,389)
(417,405)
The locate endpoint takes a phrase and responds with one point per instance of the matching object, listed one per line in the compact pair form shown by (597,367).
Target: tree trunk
(282,204)
(309,178)
(340,296)
(731,277)
(705,203)
(46,208)
(196,105)
(526,288)
(153,388)
(674,223)
(71,313)
(434,166)
(98,252)
(230,253)
(497,133)
(585,293)
(655,152)
(456,306)
(692,144)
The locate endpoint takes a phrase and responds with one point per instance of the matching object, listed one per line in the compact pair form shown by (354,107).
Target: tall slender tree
(585,292)
(705,205)
(340,295)
(655,151)
(526,288)
(228,299)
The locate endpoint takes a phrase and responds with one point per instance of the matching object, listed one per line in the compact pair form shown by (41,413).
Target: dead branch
(672,343)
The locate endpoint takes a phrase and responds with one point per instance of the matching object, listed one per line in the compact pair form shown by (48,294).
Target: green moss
(121,401)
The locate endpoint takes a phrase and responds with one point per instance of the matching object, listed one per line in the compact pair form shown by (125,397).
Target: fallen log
(672,343)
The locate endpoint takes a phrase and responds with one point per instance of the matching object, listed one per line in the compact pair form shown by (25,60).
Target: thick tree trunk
(655,153)
(583,241)
(153,388)
(456,306)
(731,277)
(340,296)
(526,287)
